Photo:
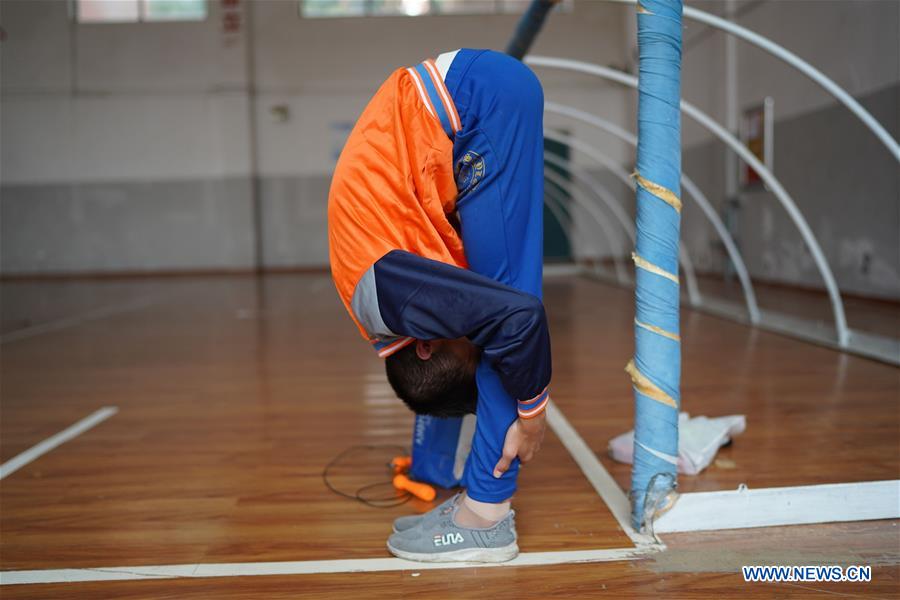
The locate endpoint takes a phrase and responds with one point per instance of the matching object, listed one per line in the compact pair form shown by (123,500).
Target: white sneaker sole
(483,555)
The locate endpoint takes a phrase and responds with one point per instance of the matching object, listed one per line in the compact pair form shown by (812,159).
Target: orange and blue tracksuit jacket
(456,138)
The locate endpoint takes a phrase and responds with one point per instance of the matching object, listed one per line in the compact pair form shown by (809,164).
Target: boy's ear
(424,349)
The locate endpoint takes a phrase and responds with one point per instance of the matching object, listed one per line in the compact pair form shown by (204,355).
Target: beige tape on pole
(643,263)
(658,330)
(647,387)
(664,194)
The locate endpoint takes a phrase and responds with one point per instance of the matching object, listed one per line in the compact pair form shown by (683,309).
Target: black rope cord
(361,495)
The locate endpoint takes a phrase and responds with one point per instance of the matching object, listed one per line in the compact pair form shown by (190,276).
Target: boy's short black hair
(442,386)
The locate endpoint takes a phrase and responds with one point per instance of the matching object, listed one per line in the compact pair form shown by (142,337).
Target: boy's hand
(523,439)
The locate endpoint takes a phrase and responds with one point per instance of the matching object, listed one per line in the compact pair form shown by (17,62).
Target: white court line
(599,477)
(593,470)
(590,466)
(92,315)
(307,567)
(740,509)
(35,452)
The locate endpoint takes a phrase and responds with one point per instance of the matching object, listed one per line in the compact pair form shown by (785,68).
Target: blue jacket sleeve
(426,299)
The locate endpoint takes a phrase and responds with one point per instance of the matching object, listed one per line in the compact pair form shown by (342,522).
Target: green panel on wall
(556,242)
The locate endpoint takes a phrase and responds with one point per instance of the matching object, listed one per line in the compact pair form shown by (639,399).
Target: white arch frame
(740,268)
(605,196)
(554,204)
(798,63)
(592,186)
(599,218)
(837,305)
(587,182)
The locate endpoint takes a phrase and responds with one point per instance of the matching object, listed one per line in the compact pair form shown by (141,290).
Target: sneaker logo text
(448,539)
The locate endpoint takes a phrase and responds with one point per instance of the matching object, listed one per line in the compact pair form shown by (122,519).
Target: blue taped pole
(529,26)
(656,370)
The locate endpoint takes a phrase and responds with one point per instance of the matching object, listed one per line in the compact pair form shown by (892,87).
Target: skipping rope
(368,494)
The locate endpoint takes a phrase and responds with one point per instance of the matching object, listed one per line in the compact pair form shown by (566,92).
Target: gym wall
(126,147)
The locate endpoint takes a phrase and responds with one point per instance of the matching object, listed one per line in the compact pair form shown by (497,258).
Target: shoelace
(449,508)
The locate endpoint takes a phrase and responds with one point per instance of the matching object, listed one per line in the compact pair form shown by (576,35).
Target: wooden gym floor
(235,392)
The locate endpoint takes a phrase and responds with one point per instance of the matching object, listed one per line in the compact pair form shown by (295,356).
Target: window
(414,8)
(134,11)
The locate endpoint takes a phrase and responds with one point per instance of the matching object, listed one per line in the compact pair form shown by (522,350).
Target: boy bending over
(435,221)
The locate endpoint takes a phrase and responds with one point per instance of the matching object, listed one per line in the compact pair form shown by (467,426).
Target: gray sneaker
(441,540)
(410,521)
